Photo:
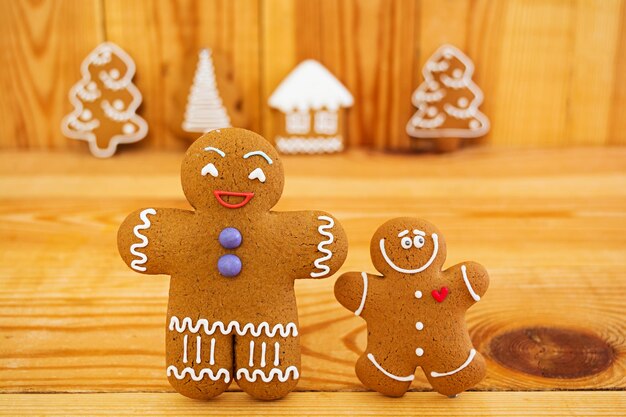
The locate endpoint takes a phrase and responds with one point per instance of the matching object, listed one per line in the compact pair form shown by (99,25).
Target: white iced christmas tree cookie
(105,101)
(205,110)
(447,101)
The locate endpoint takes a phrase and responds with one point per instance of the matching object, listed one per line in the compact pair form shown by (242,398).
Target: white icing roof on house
(310,86)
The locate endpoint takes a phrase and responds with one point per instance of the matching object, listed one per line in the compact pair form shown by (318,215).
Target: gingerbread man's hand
(471,279)
(319,242)
(351,291)
(146,237)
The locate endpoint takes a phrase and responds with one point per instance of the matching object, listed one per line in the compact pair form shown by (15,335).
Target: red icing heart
(440,295)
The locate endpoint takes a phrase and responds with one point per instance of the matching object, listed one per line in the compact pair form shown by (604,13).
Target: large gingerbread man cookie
(232,310)
(415,312)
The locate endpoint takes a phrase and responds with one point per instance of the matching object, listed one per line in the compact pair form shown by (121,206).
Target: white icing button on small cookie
(419,325)
(419,351)
(418,294)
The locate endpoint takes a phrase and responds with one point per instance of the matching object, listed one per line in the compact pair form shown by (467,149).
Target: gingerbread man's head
(233,170)
(407,246)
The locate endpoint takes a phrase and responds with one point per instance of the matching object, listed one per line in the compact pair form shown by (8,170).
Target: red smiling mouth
(246,198)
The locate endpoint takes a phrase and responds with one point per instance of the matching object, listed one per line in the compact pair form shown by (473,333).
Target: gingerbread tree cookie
(447,101)
(205,110)
(232,310)
(415,312)
(105,101)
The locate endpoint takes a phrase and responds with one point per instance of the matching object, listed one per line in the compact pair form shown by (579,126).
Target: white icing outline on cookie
(475,296)
(363,296)
(411,271)
(318,263)
(143,258)
(460,368)
(268,376)
(289,329)
(213,376)
(389,374)
(261,154)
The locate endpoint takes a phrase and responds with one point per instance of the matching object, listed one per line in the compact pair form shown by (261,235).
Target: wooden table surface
(81,334)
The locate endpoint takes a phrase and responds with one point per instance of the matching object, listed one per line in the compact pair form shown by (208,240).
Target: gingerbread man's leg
(267,367)
(199,365)
(386,370)
(450,376)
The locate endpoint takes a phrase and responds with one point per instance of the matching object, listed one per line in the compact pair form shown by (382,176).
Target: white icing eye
(406,242)
(418,241)
(209,169)
(257,174)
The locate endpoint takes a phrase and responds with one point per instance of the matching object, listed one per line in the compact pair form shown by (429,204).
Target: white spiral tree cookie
(205,110)
(447,101)
(232,311)
(105,102)
(415,311)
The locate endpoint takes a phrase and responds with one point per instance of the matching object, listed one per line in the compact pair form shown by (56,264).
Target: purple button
(230,238)
(229,265)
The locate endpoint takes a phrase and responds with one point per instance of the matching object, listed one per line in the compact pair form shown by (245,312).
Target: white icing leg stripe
(185,349)
(221,373)
(251,361)
(276,354)
(212,356)
(187,323)
(267,377)
(389,374)
(319,262)
(199,349)
(475,296)
(136,263)
(263,348)
(460,368)
(363,296)
(411,271)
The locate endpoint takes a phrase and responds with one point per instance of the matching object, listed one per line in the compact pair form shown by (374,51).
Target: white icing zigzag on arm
(319,262)
(264,327)
(200,375)
(135,264)
(267,377)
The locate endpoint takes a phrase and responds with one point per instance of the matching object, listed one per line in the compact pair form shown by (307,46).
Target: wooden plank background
(553,71)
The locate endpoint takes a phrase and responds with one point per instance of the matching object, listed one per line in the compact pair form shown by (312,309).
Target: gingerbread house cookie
(310,117)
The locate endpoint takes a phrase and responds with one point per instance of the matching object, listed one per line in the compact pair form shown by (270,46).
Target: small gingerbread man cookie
(232,309)
(415,312)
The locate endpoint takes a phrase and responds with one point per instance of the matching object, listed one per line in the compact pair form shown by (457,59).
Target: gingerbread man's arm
(316,243)
(147,239)
(351,291)
(471,280)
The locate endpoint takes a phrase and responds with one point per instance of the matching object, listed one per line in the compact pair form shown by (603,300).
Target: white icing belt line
(264,327)
(411,271)
(389,374)
(200,375)
(363,296)
(322,229)
(135,264)
(460,368)
(267,377)
(475,296)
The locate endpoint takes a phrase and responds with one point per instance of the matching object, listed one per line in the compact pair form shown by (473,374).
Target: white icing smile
(411,271)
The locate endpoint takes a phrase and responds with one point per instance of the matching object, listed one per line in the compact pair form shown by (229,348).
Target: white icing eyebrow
(419,232)
(220,152)
(259,153)
(403,233)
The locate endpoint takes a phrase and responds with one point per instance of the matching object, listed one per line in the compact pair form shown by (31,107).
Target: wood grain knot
(552,352)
